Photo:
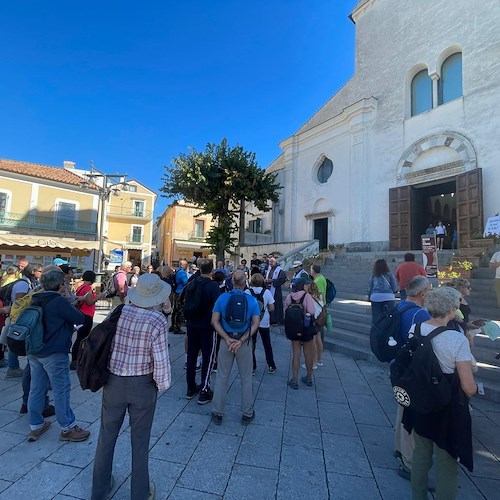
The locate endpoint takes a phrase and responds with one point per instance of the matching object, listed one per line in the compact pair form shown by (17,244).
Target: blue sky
(130,85)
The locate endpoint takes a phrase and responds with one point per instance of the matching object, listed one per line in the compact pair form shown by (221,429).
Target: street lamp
(111,183)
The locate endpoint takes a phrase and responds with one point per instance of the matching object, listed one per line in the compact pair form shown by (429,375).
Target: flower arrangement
(456,269)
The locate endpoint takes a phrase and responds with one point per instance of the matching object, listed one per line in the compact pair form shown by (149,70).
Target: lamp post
(111,183)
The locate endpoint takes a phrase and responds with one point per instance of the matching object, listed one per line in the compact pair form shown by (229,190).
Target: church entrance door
(321,232)
(456,201)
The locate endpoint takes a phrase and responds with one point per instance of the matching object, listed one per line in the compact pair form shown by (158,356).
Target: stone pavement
(332,440)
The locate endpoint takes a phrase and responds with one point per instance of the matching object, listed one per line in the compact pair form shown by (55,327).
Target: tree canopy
(220,180)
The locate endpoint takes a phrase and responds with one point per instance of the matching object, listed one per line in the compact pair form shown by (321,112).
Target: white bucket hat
(297,263)
(150,291)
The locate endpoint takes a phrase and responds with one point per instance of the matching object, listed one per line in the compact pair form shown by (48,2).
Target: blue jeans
(12,361)
(26,383)
(53,368)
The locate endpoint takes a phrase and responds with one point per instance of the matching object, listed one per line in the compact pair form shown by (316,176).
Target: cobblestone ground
(332,440)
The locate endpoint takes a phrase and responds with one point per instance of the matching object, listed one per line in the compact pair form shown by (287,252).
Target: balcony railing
(129,212)
(11,220)
(197,236)
(135,238)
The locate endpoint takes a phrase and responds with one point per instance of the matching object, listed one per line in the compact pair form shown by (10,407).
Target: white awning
(196,245)
(8,240)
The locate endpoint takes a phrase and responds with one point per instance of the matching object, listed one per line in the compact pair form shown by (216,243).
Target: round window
(325,170)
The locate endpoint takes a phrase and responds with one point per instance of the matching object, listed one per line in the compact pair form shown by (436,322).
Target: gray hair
(417,286)
(52,278)
(440,301)
(239,279)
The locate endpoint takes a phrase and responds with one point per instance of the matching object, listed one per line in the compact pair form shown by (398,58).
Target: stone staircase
(351,312)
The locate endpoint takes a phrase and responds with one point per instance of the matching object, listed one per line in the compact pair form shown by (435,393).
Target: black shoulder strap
(434,333)
(408,307)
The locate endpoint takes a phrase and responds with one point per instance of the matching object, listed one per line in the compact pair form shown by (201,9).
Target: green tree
(220,180)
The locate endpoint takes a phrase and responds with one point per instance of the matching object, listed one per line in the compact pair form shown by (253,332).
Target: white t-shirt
(268,299)
(495,259)
(318,307)
(449,347)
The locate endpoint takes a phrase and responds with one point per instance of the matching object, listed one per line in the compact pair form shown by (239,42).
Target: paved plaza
(332,440)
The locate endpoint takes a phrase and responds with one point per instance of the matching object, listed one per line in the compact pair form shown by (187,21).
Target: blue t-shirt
(220,307)
(181,278)
(414,315)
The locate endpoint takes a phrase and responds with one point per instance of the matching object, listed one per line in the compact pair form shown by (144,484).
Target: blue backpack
(236,313)
(25,336)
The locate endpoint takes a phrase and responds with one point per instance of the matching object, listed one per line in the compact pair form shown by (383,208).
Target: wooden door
(400,227)
(469,206)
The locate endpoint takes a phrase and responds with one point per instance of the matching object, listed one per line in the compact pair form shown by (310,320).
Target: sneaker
(152,491)
(307,381)
(75,435)
(315,366)
(293,384)
(271,370)
(34,435)
(50,411)
(205,397)
(216,418)
(318,363)
(191,393)
(24,409)
(72,366)
(245,419)
(14,372)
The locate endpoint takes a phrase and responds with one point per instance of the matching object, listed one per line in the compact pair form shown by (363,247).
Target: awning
(8,240)
(196,245)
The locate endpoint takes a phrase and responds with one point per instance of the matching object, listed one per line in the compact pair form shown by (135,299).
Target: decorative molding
(453,140)
(320,215)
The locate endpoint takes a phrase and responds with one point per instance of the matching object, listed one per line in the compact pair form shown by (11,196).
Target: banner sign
(116,256)
(492,226)
(429,255)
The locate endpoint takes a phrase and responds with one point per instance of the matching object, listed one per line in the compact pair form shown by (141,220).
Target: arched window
(421,93)
(325,170)
(450,83)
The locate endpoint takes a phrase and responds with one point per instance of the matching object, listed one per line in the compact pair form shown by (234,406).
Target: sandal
(307,381)
(293,384)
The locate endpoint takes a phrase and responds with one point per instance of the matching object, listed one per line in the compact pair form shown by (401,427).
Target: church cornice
(360,9)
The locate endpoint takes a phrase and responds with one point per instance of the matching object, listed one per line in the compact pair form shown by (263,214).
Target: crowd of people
(222,312)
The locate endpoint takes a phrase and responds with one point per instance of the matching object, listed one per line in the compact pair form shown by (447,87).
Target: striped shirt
(140,346)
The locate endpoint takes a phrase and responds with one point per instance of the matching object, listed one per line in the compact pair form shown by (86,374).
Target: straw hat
(150,291)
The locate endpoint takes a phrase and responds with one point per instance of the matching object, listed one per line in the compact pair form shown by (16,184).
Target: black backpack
(236,313)
(385,333)
(417,380)
(111,287)
(294,319)
(94,353)
(6,293)
(194,309)
(259,297)
(331,292)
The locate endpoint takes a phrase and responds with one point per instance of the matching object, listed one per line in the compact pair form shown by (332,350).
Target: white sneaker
(315,366)
(319,363)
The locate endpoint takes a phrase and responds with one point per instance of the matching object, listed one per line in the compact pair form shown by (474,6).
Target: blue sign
(116,256)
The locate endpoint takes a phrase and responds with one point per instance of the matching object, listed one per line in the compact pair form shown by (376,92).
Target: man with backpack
(411,312)
(236,318)
(265,300)
(200,295)
(50,364)
(139,368)
(120,281)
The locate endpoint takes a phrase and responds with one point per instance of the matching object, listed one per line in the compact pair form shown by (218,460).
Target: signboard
(116,256)
(492,226)
(429,255)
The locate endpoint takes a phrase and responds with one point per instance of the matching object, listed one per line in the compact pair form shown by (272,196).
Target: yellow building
(49,211)
(181,233)
(44,213)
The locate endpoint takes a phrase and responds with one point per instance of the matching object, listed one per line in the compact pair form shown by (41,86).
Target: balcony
(136,239)
(196,236)
(14,221)
(127,213)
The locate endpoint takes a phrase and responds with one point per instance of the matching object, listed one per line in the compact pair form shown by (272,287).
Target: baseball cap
(66,269)
(58,261)
(297,263)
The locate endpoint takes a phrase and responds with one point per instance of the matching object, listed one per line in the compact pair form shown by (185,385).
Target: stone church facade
(412,138)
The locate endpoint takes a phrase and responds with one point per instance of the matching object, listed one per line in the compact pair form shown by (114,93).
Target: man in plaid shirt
(140,367)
